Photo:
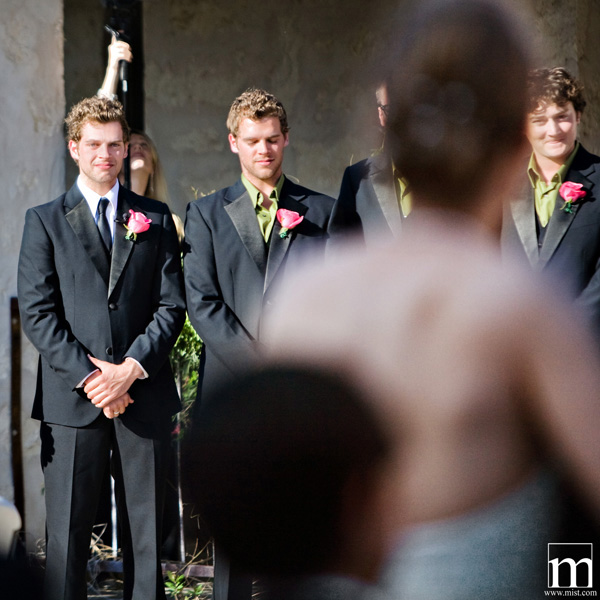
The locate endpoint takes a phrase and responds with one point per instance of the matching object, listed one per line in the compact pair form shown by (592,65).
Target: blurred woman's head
(458,98)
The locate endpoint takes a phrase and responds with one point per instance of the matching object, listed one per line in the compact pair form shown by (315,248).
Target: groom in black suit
(555,221)
(239,242)
(101,299)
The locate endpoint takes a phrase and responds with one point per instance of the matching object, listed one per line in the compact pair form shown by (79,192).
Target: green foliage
(175,584)
(185,359)
(180,587)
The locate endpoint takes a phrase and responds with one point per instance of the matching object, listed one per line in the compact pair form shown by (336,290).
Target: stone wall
(31,172)
(568,33)
(315,55)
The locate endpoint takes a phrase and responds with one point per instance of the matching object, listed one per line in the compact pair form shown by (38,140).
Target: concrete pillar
(31,172)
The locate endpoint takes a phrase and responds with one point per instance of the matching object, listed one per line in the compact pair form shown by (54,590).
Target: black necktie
(103,226)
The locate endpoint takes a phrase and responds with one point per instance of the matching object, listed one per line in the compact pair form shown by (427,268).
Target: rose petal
(138,222)
(288,218)
(572,191)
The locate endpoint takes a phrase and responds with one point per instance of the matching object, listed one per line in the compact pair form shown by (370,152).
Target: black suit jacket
(367,204)
(230,272)
(571,245)
(75,300)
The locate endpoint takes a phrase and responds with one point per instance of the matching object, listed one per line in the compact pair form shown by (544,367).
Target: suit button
(109,351)
(112,306)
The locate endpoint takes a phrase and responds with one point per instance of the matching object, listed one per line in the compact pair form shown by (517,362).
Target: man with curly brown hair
(239,242)
(555,220)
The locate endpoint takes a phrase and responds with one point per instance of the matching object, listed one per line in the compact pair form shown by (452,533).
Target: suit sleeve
(41,305)
(589,301)
(216,323)
(344,216)
(151,349)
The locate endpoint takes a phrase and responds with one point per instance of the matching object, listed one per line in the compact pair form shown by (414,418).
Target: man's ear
(233,143)
(74,150)
(287,139)
(126,151)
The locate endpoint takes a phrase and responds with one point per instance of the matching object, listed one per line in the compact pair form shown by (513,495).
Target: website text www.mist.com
(571,593)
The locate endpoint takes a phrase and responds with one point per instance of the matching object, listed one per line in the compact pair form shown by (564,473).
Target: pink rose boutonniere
(138,223)
(571,192)
(288,219)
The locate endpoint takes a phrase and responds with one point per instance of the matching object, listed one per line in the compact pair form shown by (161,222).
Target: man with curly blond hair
(239,243)
(101,298)
(255,104)
(556,218)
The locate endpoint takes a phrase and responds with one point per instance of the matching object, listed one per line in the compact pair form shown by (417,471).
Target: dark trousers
(230,583)
(74,461)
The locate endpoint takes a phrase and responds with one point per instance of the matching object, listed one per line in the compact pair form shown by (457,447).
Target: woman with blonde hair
(146,172)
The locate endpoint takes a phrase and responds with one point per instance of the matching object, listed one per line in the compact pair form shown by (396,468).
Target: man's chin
(104,176)
(558,149)
(267,174)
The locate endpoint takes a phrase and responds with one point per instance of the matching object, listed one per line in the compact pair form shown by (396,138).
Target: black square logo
(570,566)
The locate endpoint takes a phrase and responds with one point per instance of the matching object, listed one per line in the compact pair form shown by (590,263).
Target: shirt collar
(92,198)
(255,194)
(534,175)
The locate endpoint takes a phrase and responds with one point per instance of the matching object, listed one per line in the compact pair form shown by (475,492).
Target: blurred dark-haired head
(458,97)
(269,461)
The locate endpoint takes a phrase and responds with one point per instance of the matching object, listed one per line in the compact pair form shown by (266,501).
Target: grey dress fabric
(498,552)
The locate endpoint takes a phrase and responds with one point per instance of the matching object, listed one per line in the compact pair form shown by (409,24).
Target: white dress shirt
(93,198)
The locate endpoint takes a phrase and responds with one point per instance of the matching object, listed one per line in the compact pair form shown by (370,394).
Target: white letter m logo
(567,576)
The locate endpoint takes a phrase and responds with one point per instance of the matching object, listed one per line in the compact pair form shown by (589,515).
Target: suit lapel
(382,179)
(557,227)
(241,212)
(82,223)
(523,213)
(561,220)
(279,246)
(122,248)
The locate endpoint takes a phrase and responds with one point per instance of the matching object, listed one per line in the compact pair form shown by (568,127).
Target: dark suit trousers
(74,462)
(229,582)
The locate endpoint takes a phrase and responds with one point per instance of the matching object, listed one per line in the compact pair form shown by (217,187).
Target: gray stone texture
(568,33)
(31,171)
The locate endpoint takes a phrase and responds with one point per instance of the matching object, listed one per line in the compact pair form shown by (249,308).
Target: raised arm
(117,51)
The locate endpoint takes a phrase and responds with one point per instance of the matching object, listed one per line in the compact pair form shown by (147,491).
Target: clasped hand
(108,387)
